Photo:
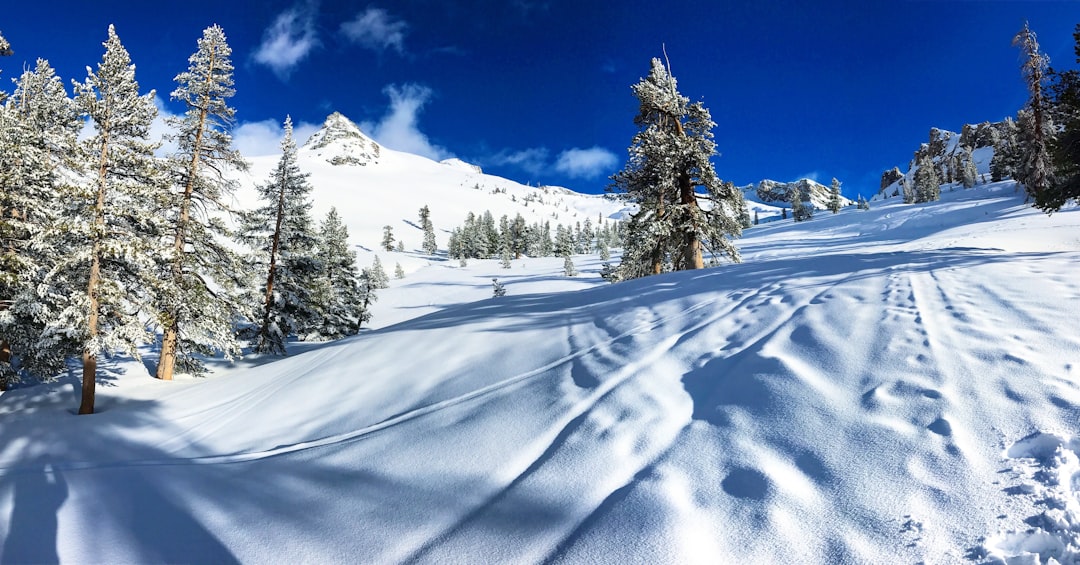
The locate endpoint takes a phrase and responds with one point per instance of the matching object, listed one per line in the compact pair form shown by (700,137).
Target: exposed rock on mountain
(341,142)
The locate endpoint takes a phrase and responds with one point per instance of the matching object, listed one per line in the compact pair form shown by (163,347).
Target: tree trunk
(692,245)
(167,361)
(89,375)
(264,332)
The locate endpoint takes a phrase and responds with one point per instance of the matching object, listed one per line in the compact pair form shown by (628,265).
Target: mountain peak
(342,142)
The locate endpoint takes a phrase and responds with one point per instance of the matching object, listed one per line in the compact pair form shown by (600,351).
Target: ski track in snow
(883,390)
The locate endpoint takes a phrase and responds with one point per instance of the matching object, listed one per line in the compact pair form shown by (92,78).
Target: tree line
(104,246)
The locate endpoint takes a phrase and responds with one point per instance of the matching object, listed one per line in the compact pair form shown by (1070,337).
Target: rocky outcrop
(341,142)
(945,149)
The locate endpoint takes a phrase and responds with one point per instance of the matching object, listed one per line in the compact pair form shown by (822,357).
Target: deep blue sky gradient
(835,88)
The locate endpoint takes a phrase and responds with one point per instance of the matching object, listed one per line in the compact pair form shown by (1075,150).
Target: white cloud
(159,129)
(288,40)
(264,137)
(398,129)
(586,163)
(812,175)
(533,160)
(377,30)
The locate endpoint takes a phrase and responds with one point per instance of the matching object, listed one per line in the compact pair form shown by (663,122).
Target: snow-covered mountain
(896,385)
(779,194)
(373,186)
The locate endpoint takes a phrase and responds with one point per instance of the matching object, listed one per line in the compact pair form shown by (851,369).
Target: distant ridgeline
(948,150)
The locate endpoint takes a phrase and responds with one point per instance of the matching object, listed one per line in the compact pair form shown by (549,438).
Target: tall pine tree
(428,246)
(198,309)
(38,129)
(834,196)
(1036,170)
(339,297)
(281,234)
(113,228)
(1066,105)
(669,161)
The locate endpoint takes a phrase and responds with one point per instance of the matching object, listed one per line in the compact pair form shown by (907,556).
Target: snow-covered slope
(886,386)
(373,186)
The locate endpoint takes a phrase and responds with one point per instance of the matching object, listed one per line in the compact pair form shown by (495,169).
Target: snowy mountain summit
(340,142)
(769,191)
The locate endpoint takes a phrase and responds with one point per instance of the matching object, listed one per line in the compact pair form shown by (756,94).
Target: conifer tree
(798,209)
(927,184)
(38,129)
(113,226)
(834,196)
(568,266)
(388,238)
(340,296)
(756,221)
(1006,151)
(5,47)
(378,276)
(669,160)
(498,289)
(968,173)
(428,246)
(281,235)
(200,305)
(1066,150)
(1036,170)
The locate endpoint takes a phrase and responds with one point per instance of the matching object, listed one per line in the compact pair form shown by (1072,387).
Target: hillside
(894,385)
(373,186)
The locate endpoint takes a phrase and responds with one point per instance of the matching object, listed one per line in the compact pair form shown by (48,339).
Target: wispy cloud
(399,128)
(288,40)
(815,176)
(377,30)
(533,160)
(264,137)
(586,163)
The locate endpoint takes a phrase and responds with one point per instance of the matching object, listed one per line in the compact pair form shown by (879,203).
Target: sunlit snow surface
(890,386)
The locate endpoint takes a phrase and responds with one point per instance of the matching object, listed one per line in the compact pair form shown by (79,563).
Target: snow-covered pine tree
(568,266)
(38,130)
(519,235)
(1036,168)
(428,246)
(1065,97)
(669,160)
(388,238)
(379,279)
(742,210)
(111,235)
(504,258)
(340,296)
(200,304)
(756,221)
(798,209)
(498,289)
(1006,151)
(834,196)
(968,173)
(927,184)
(281,235)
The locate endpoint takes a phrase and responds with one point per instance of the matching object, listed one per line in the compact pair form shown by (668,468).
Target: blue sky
(539,91)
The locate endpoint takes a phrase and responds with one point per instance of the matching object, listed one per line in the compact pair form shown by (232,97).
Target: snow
(892,385)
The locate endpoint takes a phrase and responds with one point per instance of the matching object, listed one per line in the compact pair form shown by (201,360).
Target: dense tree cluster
(479,237)
(105,246)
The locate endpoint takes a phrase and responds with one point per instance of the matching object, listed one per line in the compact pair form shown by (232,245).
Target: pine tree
(400,247)
(968,173)
(756,221)
(1006,151)
(1066,149)
(399,272)
(568,266)
(5,47)
(339,299)
(927,184)
(783,213)
(498,289)
(504,258)
(200,305)
(113,226)
(834,196)
(1036,169)
(38,129)
(378,276)
(388,238)
(281,234)
(428,246)
(798,209)
(669,159)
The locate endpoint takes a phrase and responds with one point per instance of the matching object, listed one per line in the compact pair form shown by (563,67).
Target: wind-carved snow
(844,395)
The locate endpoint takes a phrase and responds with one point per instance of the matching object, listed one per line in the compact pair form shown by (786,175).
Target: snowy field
(890,386)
